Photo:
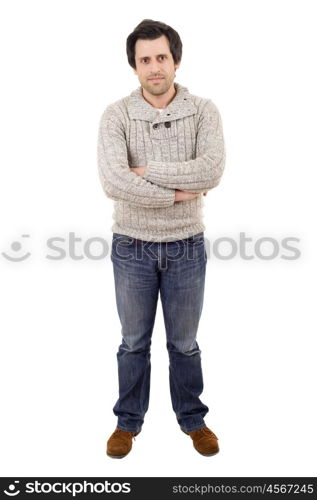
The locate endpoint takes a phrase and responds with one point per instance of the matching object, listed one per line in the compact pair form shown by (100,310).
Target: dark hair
(150,30)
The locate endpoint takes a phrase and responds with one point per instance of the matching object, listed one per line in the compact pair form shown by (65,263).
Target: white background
(62,63)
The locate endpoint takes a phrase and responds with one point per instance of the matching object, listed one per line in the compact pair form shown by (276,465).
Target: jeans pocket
(122,247)
(196,247)
(196,239)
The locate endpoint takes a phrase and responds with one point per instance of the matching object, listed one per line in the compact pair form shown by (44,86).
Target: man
(159,150)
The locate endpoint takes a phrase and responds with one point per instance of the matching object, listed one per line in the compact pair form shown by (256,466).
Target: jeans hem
(194,428)
(128,430)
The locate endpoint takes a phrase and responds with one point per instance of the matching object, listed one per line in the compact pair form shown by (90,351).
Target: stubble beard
(158,89)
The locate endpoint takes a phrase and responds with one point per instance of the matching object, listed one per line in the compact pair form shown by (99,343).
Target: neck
(160,101)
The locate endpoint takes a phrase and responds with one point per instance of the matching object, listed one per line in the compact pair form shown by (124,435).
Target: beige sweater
(182,147)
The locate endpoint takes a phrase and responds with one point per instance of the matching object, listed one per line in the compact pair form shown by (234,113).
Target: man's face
(153,58)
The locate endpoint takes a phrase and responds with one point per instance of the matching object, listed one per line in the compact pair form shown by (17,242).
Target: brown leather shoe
(205,441)
(120,443)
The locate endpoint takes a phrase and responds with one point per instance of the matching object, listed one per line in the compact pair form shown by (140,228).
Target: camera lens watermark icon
(16,246)
(12,490)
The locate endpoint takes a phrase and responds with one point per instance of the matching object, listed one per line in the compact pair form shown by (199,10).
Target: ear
(177,65)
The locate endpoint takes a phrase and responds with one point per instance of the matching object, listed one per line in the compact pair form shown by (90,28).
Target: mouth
(154,80)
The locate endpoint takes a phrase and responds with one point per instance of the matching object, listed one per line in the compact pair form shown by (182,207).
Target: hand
(139,170)
(184,195)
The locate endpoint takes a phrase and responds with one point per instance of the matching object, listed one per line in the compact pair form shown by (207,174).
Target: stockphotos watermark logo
(71,246)
(69,488)
(12,490)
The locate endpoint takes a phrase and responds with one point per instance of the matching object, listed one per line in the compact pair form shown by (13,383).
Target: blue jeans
(177,270)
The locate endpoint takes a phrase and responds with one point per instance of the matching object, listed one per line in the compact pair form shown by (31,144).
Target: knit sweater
(182,148)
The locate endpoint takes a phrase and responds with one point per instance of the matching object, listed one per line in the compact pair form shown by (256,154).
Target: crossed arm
(198,175)
(180,195)
(160,184)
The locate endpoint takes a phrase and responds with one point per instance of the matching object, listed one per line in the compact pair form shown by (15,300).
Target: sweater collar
(179,107)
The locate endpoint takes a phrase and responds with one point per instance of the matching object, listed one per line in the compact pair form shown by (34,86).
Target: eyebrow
(158,55)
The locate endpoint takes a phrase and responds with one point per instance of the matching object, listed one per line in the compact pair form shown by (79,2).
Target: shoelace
(207,432)
(119,431)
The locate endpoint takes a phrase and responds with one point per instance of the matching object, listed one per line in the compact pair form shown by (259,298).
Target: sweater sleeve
(205,171)
(118,182)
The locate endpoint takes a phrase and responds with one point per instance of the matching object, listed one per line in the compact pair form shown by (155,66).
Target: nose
(155,68)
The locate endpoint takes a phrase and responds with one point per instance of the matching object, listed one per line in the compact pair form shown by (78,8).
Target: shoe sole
(203,454)
(117,456)
(207,454)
